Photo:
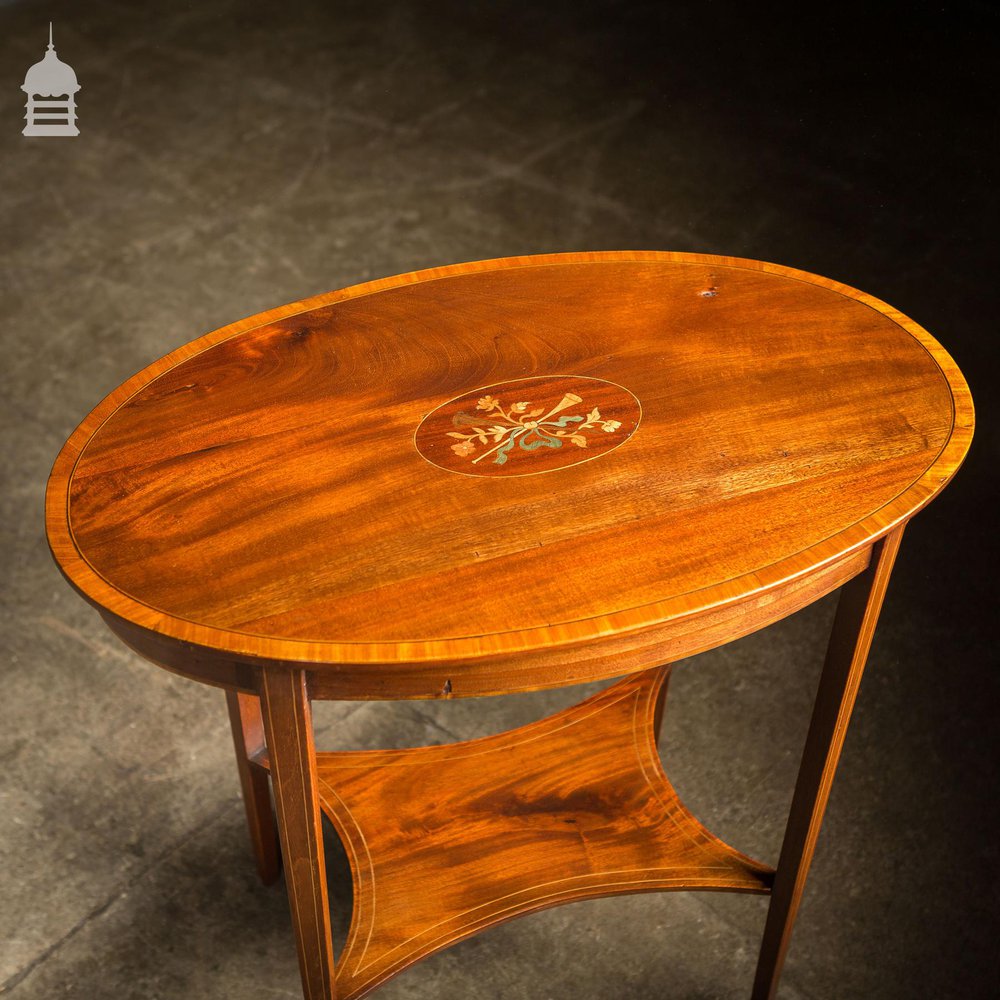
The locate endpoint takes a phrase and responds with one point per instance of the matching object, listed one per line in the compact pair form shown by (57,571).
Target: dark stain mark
(446,690)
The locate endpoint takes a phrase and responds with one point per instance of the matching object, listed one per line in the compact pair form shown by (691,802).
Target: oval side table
(504,476)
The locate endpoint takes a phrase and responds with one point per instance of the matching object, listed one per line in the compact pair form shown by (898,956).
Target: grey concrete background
(236,156)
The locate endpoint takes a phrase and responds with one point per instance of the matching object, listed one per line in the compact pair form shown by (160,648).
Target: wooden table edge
(120,607)
(545,667)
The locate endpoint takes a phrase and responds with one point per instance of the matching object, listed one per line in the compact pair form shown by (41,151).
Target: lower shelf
(447,841)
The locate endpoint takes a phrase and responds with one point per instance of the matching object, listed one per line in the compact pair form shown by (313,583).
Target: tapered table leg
(248,740)
(660,704)
(288,727)
(853,627)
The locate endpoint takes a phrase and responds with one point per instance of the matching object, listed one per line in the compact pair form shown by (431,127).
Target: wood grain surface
(291,756)
(259,492)
(445,841)
(247,725)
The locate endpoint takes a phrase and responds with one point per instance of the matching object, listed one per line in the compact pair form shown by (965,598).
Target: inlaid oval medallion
(527,426)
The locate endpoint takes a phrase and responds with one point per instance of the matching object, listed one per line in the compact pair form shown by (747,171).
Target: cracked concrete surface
(235,156)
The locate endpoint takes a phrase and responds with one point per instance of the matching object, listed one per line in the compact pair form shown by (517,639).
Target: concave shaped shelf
(448,840)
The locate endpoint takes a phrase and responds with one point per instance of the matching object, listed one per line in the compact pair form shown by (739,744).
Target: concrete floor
(235,156)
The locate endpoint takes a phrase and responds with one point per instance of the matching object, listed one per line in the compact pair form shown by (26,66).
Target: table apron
(527,670)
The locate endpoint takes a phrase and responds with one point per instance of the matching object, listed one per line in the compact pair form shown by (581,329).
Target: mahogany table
(495,477)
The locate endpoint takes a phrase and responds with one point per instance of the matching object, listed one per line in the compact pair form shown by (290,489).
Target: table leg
(658,712)
(288,726)
(248,740)
(853,627)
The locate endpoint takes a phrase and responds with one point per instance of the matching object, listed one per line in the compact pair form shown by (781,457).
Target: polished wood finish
(851,638)
(558,667)
(504,476)
(612,657)
(292,759)
(248,741)
(209,666)
(445,841)
(282,511)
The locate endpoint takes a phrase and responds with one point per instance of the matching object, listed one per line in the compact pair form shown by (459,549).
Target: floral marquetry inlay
(527,426)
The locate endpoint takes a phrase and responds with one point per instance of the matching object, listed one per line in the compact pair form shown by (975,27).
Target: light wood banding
(281,513)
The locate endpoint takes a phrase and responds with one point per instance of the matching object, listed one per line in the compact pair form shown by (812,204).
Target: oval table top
(504,456)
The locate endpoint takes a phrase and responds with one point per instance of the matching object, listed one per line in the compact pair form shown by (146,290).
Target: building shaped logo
(50,86)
